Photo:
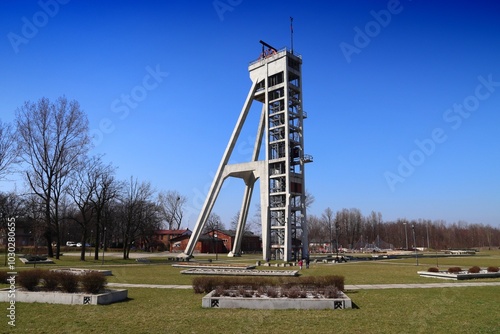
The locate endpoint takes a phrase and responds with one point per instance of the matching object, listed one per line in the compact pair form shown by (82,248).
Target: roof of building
(172,232)
(232,233)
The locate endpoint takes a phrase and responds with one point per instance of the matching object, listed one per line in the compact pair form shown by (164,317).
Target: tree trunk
(97,236)
(84,238)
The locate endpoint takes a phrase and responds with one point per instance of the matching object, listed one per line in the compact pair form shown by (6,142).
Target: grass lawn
(437,310)
(450,310)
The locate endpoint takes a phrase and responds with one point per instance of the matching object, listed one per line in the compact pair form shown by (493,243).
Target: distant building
(25,234)
(220,241)
(162,238)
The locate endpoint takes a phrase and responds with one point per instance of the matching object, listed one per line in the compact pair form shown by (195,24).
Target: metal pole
(90,247)
(415,242)
(216,228)
(337,243)
(406,235)
(103,245)
(428,243)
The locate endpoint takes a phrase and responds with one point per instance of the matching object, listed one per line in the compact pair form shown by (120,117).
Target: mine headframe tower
(277,84)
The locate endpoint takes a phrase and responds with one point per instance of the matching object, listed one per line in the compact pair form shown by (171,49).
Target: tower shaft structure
(276,84)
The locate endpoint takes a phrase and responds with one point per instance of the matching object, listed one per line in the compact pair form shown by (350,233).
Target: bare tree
(330,225)
(233,225)
(214,222)
(53,136)
(172,208)
(11,205)
(82,188)
(309,199)
(107,189)
(9,153)
(249,224)
(316,232)
(138,213)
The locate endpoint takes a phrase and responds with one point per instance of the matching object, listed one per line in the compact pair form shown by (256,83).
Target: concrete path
(347,287)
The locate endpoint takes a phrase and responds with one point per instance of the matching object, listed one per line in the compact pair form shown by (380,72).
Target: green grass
(454,310)
(437,310)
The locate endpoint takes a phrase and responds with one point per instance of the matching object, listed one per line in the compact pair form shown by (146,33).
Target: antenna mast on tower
(291,34)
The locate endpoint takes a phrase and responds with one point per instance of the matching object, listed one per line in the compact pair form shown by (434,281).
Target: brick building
(218,240)
(162,238)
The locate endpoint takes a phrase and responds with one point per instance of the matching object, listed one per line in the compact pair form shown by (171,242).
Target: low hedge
(29,279)
(205,284)
(51,280)
(474,270)
(89,282)
(92,282)
(454,270)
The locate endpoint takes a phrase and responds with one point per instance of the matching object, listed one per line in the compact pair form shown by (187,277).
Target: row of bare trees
(49,145)
(348,228)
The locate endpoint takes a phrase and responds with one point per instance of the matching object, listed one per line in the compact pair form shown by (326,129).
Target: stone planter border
(55,297)
(266,303)
(464,275)
(79,271)
(214,266)
(239,272)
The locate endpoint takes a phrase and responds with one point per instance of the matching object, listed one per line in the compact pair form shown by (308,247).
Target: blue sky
(403,98)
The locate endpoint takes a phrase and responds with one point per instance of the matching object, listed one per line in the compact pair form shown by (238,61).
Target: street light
(414,242)
(406,235)
(103,244)
(90,247)
(337,242)
(215,237)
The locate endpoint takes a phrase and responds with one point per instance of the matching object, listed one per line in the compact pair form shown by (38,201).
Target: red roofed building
(162,238)
(218,241)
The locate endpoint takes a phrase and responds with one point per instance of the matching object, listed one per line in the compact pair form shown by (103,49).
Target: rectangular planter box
(266,303)
(459,276)
(78,271)
(108,297)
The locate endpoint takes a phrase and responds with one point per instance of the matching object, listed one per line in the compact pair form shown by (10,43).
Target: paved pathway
(347,287)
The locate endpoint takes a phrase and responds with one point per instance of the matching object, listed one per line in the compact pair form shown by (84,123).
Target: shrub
(433,270)
(69,282)
(492,269)
(454,270)
(29,279)
(244,292)
(474,270)
(3,277)
(272,292)
(219,291)
(331,292)
(293,292)
(92,281)
(204,284)
(50,280)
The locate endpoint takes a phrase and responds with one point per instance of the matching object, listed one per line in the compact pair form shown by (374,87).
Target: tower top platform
(271,55)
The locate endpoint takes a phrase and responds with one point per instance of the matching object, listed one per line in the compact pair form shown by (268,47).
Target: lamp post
(103,244)
(90,247)
(215,237)
(415,242)
(337,242)
(406,235)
